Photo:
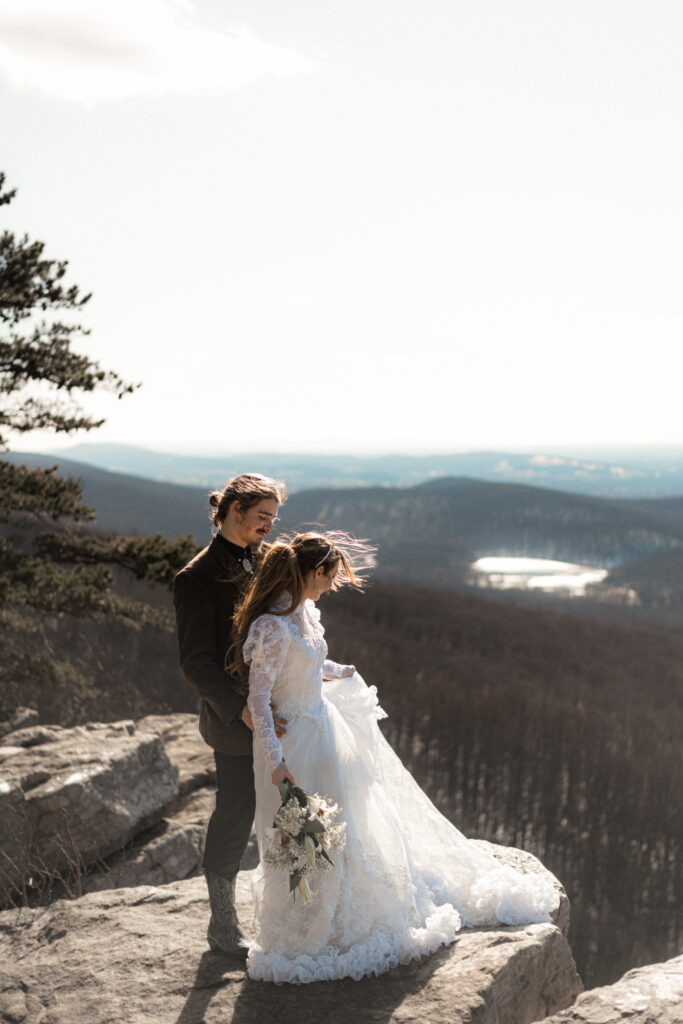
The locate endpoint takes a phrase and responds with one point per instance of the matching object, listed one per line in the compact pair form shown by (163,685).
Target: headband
(324,558)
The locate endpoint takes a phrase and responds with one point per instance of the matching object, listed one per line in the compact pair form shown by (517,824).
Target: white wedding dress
(407,879)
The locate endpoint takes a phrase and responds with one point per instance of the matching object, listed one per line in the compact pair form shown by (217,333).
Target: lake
(505,573)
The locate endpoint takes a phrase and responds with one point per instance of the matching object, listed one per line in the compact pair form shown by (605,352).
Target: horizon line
(531,450)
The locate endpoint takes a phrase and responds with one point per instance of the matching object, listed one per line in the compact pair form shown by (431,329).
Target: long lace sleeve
(264,651)
(332,670)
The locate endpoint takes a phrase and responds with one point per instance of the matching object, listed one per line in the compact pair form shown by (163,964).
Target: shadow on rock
(215,972)
(335,1002)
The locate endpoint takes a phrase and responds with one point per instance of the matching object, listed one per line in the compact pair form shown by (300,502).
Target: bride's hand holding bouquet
(281,773)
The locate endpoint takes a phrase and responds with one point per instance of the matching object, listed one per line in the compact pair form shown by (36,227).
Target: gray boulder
(139,955)
(185,748)
(69,797)
(170,851)
(173,848)
(19,719)
(646,995)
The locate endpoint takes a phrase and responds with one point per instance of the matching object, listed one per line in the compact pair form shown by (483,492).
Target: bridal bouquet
(304,833)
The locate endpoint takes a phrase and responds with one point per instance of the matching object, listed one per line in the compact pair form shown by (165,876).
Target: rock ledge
(645,995)
(139,955)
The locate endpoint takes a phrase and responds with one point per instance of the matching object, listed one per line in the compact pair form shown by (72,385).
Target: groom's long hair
(247,489)
(282,573)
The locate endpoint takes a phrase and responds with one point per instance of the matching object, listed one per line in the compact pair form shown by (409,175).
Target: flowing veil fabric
(407,879)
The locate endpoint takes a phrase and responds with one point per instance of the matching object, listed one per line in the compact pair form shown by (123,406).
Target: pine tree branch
(81,591)
(41,414)
(155,559)
(29,282)
(46,356)
(40,492)
(5,197)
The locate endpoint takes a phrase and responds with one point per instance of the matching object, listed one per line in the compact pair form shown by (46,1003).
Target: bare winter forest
(548,732)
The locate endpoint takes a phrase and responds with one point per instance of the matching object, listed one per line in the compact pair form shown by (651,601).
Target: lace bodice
(287,658)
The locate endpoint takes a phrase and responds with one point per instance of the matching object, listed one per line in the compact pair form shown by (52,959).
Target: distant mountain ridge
(619,474)
(428,534)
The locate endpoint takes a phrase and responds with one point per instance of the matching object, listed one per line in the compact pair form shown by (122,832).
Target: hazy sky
(361,224)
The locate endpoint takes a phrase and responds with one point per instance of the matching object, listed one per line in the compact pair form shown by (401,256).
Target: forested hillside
(428,533)
(658,580)
(544,731)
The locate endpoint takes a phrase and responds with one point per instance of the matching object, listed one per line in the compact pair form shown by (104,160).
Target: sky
(360,225)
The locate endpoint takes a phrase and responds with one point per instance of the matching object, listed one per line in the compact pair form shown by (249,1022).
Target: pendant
(246,565)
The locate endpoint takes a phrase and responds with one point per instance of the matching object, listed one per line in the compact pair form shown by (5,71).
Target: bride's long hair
(283,570)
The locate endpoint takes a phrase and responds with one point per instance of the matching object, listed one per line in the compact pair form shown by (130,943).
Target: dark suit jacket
(204,594)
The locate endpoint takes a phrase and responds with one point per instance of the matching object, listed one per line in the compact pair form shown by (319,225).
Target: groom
(205,593)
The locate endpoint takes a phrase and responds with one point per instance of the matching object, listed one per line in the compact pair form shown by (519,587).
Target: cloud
(93,50)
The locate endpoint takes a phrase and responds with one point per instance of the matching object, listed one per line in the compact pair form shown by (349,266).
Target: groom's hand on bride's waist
(279,722)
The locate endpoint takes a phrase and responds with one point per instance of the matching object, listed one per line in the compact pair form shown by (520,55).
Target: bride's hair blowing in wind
(284,569)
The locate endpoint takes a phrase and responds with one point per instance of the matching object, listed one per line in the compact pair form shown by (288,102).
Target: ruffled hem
(376,955)
(505,896)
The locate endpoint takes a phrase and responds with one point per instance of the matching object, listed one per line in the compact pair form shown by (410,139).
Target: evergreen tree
(50,564)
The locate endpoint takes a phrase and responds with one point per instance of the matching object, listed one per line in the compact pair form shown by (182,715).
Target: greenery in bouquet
(305,831)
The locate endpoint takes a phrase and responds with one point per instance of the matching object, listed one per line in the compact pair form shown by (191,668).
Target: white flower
(290,818)
(309,847)
(305,890)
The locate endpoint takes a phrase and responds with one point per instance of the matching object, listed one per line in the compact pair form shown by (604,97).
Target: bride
(407,879)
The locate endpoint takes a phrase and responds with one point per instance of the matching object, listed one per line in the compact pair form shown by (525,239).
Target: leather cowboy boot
(224,934)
